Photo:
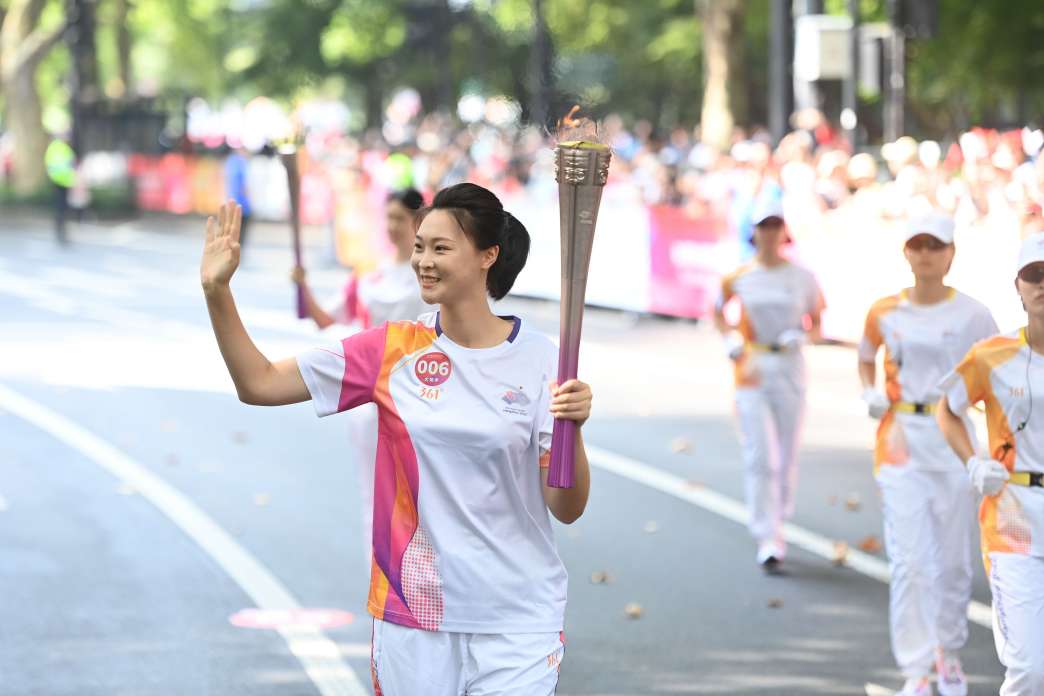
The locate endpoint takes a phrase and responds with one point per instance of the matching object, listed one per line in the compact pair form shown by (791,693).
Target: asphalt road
(143,508)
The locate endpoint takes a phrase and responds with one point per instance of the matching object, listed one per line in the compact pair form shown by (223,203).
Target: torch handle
(562,472)
(293,180)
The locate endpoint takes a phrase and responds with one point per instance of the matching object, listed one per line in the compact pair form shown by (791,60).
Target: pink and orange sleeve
(343,375)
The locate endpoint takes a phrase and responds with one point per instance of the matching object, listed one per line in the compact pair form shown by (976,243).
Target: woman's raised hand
(221,249)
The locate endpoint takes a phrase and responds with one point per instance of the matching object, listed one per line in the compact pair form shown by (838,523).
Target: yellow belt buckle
(915,408)
(767,347)
(1033,479)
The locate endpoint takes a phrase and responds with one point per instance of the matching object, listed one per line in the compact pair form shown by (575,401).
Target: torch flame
(576,130)
(568,121)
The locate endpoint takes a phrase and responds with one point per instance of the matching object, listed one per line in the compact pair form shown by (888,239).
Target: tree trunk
(123,48)
(22,47)
(374,97)
(722,68)
(540,75)
(26,126)
(85,50)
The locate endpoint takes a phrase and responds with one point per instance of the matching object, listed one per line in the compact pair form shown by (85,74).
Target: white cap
(935,224)
(765,208)
(1032,250)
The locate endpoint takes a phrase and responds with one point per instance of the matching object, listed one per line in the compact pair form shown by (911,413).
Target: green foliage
(987,58)
(361,32)
(639,58)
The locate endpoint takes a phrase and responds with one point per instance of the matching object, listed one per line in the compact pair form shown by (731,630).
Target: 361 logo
(433,369)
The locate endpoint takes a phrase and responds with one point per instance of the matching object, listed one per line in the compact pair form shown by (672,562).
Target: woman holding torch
(1006,373)
(928,502)
(467,590)
(780,305)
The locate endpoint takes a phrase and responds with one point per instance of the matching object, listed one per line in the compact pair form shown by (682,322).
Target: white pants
(413,662)
(770,418)
(1017,583)
(929,527)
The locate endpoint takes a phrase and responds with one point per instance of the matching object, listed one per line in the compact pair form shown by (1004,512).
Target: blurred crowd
(983,177)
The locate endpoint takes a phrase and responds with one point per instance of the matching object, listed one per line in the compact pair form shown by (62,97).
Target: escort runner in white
(780,305)
(929,504)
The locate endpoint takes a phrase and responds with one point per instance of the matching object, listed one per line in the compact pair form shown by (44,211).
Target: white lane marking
(736,511)
(319,656)
(877,690)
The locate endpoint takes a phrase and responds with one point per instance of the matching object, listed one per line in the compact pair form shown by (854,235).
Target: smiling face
(929,258)
(1030,284)
(449,267)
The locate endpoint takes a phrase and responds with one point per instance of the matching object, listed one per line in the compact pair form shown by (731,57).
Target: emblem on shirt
(516,401)
(433,369)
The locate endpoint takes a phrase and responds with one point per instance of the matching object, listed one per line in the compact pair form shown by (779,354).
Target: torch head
(581,169)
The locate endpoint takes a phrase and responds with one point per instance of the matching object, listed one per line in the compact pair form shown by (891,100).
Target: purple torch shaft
(581,169)
(293,177)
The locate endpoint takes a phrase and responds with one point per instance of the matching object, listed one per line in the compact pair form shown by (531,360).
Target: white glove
(792,339)
(734,345)
(877,404)
(987,475)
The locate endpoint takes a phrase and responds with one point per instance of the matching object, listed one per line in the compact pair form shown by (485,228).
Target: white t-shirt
(462,538)
(1008,378)
(390,293)
(922,343)
(773,300)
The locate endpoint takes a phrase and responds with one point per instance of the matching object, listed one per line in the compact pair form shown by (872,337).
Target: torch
(581,169)
(288,154)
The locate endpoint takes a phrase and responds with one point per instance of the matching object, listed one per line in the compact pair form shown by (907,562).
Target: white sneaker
(769,556)
(952,681)
(918,686)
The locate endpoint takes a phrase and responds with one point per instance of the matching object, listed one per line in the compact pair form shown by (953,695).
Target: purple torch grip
(581,169)
(288,153)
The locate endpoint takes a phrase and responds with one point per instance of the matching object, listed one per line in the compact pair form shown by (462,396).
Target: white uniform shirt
(1004,374)
(462,538)
(773,300)
(922,343)
(390,293)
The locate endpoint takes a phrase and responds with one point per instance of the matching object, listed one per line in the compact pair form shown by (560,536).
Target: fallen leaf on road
(775,603)
(651,527)
(681,445)
(832,500)
(870,544)
(601,577)
(240,437)
(262,499)
(840,553)
(853,502)
(633,610)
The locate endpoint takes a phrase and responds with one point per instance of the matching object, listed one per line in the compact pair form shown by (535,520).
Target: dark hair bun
(410,198)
